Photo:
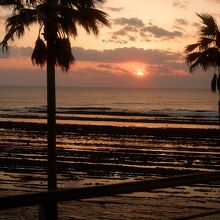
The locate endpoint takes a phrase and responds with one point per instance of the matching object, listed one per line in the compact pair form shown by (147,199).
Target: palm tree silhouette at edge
(206,52)
(58,20)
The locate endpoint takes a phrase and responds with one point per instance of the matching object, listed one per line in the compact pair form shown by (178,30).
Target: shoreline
(111,129)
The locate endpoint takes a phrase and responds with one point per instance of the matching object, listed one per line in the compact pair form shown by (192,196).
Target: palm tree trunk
(50,32)
(219,107)
(50,211)
(51,118)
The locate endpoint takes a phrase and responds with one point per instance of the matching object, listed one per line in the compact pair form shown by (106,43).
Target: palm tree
(206,52)
(57,20)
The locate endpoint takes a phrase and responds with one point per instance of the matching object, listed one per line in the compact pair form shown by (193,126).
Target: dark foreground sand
(100,154)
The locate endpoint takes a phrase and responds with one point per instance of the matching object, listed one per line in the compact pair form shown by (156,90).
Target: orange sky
(145,36)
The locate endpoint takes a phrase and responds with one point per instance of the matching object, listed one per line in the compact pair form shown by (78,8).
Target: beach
(100,144)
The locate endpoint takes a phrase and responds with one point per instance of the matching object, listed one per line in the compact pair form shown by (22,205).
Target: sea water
(159,101)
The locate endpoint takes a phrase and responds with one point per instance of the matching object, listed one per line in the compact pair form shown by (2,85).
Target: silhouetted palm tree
(58,20)
(206,52)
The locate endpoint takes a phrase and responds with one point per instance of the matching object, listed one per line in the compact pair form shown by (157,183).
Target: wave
(93,110)
(186,113)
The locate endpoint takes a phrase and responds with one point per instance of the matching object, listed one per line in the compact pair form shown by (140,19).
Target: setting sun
(139,73)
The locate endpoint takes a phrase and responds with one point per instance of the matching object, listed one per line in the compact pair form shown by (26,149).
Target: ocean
(111,135)
(140,100)
(112,102)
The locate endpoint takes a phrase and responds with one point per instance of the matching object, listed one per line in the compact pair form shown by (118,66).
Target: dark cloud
(17,52)
(105,66)
(116,39)
(158,77)
(4,55)
(180,24)
(169,68)
(22,77)
(97,77)
(114,68)
(160,32)
(125,54)
(196,24)
(118,55)
(145,36)
(132,38)
(125,30)
(181,21)
(134,29)
(180,4)
(127,33)
(165,69)
(20,51)
(129,21)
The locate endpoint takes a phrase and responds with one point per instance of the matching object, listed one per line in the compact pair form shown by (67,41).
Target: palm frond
(25,17)
(192,57)
(214,83)
(91,19)
(191,47)
(205,43)
(200,62)
(39,55)
(210,27)
(204,59)
(80,3)
(32,3)
(15,26)
(66,21)
(64,56)
(10,3)
(218,83)
(10,35)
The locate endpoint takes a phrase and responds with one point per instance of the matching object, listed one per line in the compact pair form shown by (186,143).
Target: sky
(143,48)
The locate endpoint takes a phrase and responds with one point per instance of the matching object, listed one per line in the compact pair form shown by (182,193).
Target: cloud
(125,34)
(214,1)
(125,30)
(180,4)
(196,24)
(116,39)
(17,52)
(4,55)
(160,32)
(108,56)
(134,29)
(105,66)
(115,9)
(21,51)
(181,21)
(22,77)
(114,68)
(97,77)
(111,68)
(126,54)
(129,21)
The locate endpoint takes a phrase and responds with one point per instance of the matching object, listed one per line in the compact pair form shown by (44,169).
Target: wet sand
(103,154)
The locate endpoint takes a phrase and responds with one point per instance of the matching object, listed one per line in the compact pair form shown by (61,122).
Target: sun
(139,73)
